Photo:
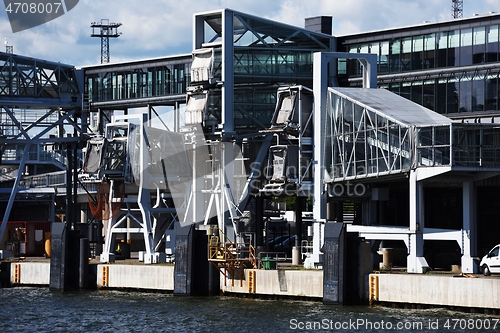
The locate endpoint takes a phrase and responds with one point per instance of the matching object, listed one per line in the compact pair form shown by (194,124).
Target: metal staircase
(230,258)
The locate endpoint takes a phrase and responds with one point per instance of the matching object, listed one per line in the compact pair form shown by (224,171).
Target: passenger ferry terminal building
(392,132)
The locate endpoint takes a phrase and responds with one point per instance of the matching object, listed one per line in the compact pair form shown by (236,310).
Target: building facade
(449,67)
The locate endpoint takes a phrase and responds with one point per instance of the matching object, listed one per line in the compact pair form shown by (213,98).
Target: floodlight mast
(106,30)
(457,8)
(8,48)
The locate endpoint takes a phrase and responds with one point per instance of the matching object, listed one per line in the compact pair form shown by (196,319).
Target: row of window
(273,62)
(144,82)
(461,47)
(477,93)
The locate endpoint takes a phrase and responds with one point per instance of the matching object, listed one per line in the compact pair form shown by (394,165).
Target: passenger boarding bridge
(245,94)
(41,106)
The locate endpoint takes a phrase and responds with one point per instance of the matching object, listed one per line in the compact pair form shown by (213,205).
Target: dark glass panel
(466,47)
(416,92)
(394,57)
(429,51)
(417,53)
(491,92)
(429,95)
(395,87)
(406,90)
(492,43)
(452,90)
(441,96)
(406,54)
(453,48)
(478,94)
(479,47)
(465,94)
(442,48)
(383,58)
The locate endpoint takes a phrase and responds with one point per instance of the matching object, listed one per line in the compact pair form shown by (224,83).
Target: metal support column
(415,261)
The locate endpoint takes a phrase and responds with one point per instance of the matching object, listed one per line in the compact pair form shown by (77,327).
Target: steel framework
(106,30)
(457,9)
(45,91)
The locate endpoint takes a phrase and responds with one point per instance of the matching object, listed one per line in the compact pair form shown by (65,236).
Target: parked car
(491,262)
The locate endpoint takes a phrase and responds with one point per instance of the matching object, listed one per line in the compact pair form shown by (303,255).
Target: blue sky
(158,28)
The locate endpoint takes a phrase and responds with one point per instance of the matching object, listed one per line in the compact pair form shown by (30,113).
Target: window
(406,54)
(478,49)
(491,43)
(429,50)
(383,58)
(395,61)
(453,48)
(465,47)
(418,54)
(491,92)
(428,97)
(465,94)
(477,94)
(442,50)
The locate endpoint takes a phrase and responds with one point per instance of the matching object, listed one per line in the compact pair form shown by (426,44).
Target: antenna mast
(457,8)
(105,31)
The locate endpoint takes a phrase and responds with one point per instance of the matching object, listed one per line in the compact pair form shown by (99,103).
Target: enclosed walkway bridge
(42,120)
(373,132)
(372,135)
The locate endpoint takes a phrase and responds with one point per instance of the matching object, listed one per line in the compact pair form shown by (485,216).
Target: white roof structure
(393,106)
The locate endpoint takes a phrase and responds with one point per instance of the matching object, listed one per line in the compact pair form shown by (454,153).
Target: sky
(156,28)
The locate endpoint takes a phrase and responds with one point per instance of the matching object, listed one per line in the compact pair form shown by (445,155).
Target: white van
(491,262)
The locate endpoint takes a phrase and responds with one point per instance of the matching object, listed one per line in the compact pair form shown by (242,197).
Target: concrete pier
(444,290)
(277,282)
(140,277)
(30,273)
(441,290)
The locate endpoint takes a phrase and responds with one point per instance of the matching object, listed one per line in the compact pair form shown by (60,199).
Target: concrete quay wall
(438,290)
(277,282)
(30,273)
(425,289)
(140,276)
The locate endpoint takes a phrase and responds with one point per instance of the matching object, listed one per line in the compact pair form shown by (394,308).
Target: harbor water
(40,310)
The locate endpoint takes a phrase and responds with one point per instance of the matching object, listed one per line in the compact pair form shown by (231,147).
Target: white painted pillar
(320,88)
(469,228)
(83,214)
(416,262)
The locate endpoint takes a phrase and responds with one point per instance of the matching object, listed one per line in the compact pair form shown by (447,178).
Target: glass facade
(138,81)
(266,55)
(263,67)
(468,82)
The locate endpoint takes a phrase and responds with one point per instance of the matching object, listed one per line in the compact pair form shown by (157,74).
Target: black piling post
(334,263)
(183,259)
(84,264)
(58,256)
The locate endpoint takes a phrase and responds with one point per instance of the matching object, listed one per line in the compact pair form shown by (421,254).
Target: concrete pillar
(469,246)
(416,262)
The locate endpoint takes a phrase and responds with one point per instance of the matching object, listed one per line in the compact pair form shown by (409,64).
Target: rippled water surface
(40,310)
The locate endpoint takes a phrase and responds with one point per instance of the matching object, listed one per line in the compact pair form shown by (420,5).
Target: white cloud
(164,27)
